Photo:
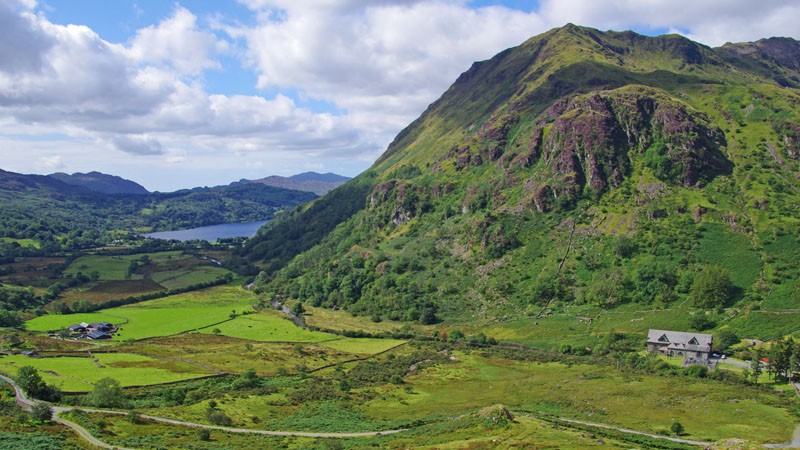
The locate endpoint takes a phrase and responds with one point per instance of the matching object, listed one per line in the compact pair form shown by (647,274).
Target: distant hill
(318,183)
(45,208)
(100,182)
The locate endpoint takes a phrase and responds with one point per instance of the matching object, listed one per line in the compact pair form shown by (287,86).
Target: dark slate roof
(98,335)
(679,340)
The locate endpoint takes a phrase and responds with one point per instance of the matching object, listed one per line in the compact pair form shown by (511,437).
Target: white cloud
(712,22)
(143,103)
(179,44)
(51,163)
(138,145)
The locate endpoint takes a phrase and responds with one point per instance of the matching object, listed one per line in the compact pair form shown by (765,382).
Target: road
(640,433)
(25,403)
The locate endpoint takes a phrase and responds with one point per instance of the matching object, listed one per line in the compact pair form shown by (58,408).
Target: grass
(109,267)
(235,355)
(77,374)
(362,346)
(21,242)
(732,252)
(579,326)
(161,317)
(339,320)
(182,278)
(267,326)
(54,322)
(709,410)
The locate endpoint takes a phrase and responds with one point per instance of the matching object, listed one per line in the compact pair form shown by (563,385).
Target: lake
(211,233)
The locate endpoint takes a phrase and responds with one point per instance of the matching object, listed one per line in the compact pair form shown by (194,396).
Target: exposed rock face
(588,142)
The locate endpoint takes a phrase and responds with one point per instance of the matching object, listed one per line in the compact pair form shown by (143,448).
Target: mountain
(580,172)
(100,182)
(318,183)
(72,216)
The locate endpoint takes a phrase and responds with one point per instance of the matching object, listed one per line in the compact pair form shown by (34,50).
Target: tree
(755,364)
(30,381)
(107,393)
(711,288)
(41,412)
(701,323)
(298,309)
(677,428)
(725,340)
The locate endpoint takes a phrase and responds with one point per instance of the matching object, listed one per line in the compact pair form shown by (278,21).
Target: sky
(201,93)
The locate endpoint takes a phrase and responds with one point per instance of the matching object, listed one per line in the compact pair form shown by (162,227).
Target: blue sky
(191,93)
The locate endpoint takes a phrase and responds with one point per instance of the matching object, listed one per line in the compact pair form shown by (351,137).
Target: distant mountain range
(318,183)
(100,182)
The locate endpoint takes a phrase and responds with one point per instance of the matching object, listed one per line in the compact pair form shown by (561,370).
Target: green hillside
(58,215)
(581,173)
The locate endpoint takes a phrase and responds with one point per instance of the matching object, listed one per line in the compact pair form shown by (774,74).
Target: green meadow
(161,317)
(709,410)
(267,326)
(77,374)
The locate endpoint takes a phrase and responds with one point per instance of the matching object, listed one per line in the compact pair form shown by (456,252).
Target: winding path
(25,403)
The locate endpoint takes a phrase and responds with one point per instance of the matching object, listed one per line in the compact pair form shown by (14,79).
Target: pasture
(162,317)
(339,320)
(77,374)
(709,410)
(236,355)
(267,326)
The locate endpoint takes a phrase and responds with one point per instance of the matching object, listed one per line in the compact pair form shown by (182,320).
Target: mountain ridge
(576,134)
(100,182)
(317,183)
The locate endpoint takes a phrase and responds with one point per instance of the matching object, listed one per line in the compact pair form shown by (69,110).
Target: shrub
(203,434)
(42,412)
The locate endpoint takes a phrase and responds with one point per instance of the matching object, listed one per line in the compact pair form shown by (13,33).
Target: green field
(161,317)
(21,242)
(709,410)
(76,374)
(182,278)
(362,346)
(55,322)
(109,267)
(268,326)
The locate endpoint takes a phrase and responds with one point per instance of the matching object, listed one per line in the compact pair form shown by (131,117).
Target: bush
(701,323)
(41,412)
(218,417)
(203,434)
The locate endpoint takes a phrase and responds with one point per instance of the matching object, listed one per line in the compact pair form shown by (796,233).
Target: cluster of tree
(782,360)
(31,382)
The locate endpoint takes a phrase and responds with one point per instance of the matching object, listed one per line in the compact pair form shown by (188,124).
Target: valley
(490,282)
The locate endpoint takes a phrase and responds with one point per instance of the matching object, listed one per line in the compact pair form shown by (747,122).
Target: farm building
(692,346)
(101,326)
(98,335)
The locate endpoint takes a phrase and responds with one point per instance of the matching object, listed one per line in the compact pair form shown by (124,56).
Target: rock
(496,415)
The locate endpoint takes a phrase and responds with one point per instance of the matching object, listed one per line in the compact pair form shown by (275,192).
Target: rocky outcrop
(588,142)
